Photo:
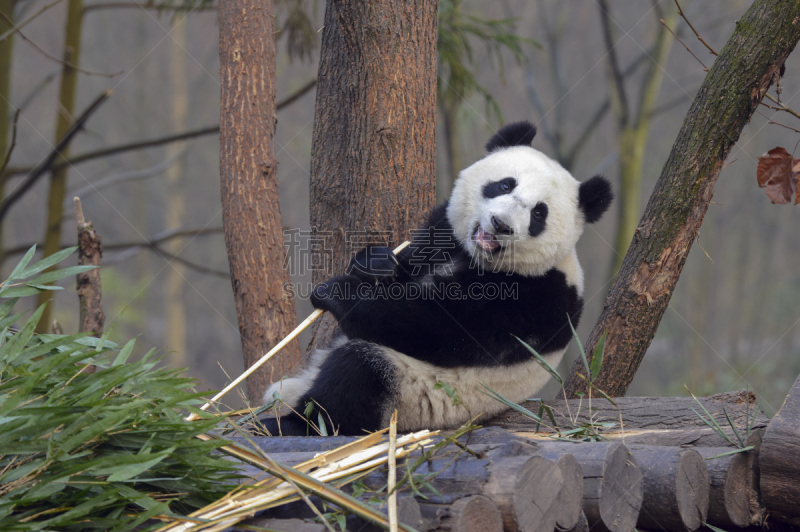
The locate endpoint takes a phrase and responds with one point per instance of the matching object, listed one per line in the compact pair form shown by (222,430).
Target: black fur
(538,219)
(594,198)
(515,134)
(499,188)
(451,326)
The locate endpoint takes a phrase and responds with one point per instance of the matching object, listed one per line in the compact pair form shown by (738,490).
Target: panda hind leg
(353,387)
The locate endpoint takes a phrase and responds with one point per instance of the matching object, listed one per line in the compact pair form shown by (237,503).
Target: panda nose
(501,227)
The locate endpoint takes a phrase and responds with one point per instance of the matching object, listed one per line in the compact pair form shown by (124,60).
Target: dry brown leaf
(777,172)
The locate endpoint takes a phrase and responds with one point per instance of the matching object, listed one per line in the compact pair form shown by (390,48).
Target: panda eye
(499,188)
(537,213)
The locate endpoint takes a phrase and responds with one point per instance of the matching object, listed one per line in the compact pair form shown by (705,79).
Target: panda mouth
(486,241)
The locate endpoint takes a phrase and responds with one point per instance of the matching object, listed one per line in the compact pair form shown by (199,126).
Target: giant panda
(494,265)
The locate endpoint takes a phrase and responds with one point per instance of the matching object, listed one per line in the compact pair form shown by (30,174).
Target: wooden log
(733,499)
(612,483)
(676,488)
(475,513)
(523,486)
(655,413)
(694,437)
(779,461)
(570,498)
(582,525)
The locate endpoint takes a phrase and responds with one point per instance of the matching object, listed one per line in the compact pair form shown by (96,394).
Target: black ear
(516,134)
(594,198)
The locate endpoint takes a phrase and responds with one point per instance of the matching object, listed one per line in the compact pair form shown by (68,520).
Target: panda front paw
(374,264)
(335,295)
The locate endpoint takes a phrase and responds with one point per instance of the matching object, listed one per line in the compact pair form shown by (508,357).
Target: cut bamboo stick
(292,335)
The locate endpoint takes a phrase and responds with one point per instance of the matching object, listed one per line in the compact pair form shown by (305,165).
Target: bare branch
(47,162)
(13,141)
(771,121)
(138,5)
(602,110)
(618,81)
(684,45)
(152,143)
(157,240)
(27,21)
(123,177)
(654,75)
(169,256)
(681,13)
(781,106)
(56,59)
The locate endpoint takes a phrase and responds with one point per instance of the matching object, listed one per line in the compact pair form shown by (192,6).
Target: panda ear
(516,134)
(594,198)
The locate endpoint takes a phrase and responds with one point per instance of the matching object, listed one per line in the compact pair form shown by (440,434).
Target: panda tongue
(485,240)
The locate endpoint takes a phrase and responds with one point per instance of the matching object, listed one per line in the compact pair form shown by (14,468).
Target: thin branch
(603,108)
(189,264)
(157,240)
(56,59)
(654,75)
(771,121)
(618,81)
(137,5)
(38,89)
(163,237)
(681,13)
(684,45)
(47,162)
(663,108)
(114,150)
(30,19)
(124,177)
(781,106)
(296,95)
(13,141)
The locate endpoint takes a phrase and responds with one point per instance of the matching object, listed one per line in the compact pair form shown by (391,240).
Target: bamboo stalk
(392,480)
(292,335)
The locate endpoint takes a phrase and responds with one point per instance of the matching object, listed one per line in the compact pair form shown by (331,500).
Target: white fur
(539,179)
(420,406)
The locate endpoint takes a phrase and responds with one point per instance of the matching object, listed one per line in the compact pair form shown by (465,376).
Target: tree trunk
(373,157)
(735,85)
(176,208)
(64,119)
(251,213)
(6,55)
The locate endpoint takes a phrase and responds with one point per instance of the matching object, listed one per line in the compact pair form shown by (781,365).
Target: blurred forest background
(733,319)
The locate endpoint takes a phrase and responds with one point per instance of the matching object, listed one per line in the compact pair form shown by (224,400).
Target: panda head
(519,209)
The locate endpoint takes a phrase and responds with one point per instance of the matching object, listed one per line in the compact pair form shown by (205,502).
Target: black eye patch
(538,219)
(499,188)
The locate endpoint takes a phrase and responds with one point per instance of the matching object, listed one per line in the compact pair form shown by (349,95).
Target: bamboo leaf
(19,291)
(742,450)
(542,362)
(580,346)
(47,262)
(57,275)
(22,264)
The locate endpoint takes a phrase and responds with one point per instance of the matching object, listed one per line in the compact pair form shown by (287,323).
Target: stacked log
(779,461)
(664,469)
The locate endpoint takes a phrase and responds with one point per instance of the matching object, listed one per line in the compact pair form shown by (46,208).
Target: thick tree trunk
(737,82)
(251,213)
(64,120)
(373,157)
